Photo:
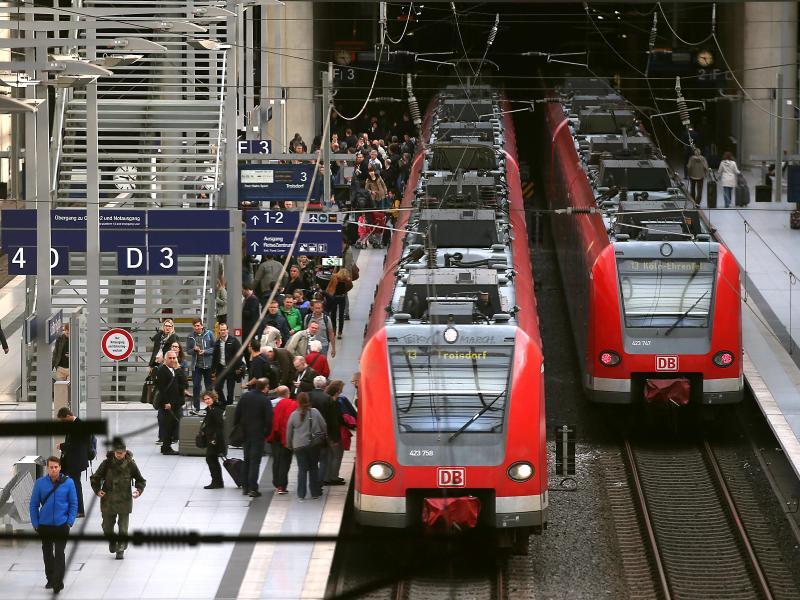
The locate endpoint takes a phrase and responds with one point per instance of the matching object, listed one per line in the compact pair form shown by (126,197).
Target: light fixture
(450,334)
(520,471)
(210,45)
(71,81)
(179,27)
(380,471)
(17,80)
(109,61)
(609,358)
(723,358)
(68,64)
(212,12)
(15,105)
(132,45)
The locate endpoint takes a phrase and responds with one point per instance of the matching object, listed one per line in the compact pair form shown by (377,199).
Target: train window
(440,388)
(666,293)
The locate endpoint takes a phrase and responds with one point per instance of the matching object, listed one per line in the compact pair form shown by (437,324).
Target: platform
(175,498)
(766,249)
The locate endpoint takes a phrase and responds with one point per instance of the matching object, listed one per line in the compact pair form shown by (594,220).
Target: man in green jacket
(112,483)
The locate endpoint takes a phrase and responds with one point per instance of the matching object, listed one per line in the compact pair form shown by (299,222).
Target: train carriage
(451,399)
(653,296)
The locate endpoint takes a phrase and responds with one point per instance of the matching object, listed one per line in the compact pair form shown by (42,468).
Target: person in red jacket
(317,360)
(281,455)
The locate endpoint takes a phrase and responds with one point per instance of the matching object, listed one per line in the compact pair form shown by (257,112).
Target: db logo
(666,363)
(451,477)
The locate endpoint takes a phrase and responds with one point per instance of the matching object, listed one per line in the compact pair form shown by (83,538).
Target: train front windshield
(666,293)
(440,389)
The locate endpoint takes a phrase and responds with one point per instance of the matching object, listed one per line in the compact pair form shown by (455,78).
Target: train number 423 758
(420,452)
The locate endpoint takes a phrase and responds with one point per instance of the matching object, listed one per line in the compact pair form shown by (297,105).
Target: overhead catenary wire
(405,28)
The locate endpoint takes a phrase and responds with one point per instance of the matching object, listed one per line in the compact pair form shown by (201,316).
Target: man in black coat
(261,367)
(171,383)
(251,311)
(304,377)
(225,349)
(76,450)
(330,459)
(282,361)
(254,414)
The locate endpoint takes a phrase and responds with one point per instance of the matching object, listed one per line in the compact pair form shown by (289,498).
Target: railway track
(461,588)
(703,533)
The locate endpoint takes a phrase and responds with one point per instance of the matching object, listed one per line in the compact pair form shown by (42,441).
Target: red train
(451,401)
(653,296)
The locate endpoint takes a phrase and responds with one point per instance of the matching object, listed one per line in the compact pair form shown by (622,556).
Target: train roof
(457,265)
(639,196)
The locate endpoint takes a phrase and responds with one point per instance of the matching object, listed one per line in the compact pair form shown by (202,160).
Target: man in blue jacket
(54,506)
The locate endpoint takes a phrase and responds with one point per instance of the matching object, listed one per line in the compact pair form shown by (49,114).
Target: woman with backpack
(341,282)
(305,435)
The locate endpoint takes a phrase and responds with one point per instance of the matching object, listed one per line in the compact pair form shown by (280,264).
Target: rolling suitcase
(234,468)
(187,432)
(711,193)
(763,193)
(742,192)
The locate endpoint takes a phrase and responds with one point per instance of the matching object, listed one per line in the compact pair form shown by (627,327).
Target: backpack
(326,320)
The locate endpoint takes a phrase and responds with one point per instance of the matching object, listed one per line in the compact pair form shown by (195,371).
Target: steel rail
(663,583)
(737,521)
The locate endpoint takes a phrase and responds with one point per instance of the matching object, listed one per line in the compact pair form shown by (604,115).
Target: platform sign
(55,325)
(255,146)
(117,344)
(262,183)
(184,231)
(22,260)
(288,219)
(310,242)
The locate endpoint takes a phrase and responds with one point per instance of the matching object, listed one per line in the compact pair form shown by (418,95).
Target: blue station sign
(264,183)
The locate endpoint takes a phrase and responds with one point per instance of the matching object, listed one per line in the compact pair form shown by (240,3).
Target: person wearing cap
(112,482)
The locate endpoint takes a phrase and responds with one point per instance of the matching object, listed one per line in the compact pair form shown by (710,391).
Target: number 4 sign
(22,261)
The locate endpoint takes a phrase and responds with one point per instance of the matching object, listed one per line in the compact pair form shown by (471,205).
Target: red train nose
(451,514)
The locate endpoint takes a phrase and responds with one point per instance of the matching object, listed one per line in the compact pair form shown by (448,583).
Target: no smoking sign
(117,344)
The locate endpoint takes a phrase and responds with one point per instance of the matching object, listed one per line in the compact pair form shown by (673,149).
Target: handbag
(354,272)
(318,438)
(148,391)
(200,439)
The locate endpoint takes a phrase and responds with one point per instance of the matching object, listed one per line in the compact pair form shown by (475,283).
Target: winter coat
(214,429)
(75,450)
(115,478)
(60,508)
(163,343)
(298,431)
(728,173)
(205,341)
(280,420)
(61,348)
(170,387)
(697,167)
(377,188)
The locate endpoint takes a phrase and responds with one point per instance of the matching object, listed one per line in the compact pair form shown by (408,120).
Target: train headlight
(380,471)
(520,471)
(723,358)
(609,358)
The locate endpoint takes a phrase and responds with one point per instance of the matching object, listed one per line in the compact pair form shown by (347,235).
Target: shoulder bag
(318,438)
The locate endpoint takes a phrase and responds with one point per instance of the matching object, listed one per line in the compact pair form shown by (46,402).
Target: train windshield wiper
(475,417)
(684,315)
